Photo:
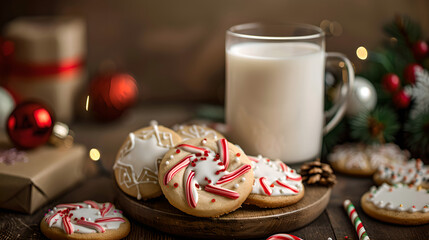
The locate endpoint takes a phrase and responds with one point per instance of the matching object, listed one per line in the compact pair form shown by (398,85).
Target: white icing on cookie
(411,172)
(141,154)
(359,156)
(205,170)
(382,154)
(196,131)
(281,182)
(400,198)
(112,218)
(352,154)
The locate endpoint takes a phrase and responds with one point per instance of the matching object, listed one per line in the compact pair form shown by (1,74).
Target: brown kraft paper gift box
(26,186)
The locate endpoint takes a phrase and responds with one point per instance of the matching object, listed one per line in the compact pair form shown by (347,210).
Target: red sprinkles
(176,185)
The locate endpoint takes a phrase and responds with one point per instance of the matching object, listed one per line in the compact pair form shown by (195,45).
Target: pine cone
(317,173)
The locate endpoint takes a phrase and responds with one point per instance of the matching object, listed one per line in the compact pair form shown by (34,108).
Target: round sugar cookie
(136,166)
(88,221)
(400,204)
(206,178)
(363,160)
(197,131)
(411,172)
(276,184)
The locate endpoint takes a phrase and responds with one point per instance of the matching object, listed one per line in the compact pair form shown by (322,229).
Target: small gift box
(47,172)
(47,61)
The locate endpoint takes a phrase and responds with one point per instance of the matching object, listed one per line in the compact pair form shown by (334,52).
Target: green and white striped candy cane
(351,211)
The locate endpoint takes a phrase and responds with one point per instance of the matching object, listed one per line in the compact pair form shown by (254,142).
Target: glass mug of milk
(275,90)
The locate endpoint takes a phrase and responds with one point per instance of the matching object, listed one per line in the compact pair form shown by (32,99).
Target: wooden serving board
(246,222)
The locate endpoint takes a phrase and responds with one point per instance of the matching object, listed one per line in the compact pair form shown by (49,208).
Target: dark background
(175,49)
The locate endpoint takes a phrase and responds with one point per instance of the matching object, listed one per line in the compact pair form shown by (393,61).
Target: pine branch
(420,94)
(418,130)
(378,126)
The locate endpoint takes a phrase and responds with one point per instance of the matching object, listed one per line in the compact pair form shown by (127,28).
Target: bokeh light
(361,53)
(94,154)
(87,103)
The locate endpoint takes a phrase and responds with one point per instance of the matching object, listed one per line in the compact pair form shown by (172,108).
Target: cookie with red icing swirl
(276,184)
(88,220)
(206,178)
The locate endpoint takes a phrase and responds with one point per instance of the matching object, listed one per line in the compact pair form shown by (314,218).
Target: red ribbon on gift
(35,70)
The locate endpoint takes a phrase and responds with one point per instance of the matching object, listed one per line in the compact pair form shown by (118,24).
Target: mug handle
(337,111)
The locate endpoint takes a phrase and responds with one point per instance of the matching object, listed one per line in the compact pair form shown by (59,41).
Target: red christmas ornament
(30,125)
(401,99)
(410,72)
(420,49)
(391,82)
(111,94)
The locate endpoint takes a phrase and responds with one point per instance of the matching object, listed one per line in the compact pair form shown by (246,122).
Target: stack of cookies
(200,172)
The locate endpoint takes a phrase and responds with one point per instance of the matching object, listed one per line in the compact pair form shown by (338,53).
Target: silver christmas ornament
(362,97)
(6,107)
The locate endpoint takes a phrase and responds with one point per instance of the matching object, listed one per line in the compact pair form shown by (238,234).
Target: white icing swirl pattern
(400,198)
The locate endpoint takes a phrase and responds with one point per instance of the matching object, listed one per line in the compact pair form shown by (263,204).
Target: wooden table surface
(332,223)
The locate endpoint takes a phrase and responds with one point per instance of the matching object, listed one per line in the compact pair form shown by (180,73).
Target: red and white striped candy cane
(294,179)
(283,236)
(92,204)
(235,174)
(49,219)
(68,227)
(106,209)
(223,151)
(109,219)
(253,159)
(265,187)
(221,191)
(191,192)
(174,170)
(91,225)
(69,205)
(191,148)
(283,166)
(293,189)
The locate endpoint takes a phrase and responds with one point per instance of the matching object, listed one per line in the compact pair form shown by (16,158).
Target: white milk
(275,97)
